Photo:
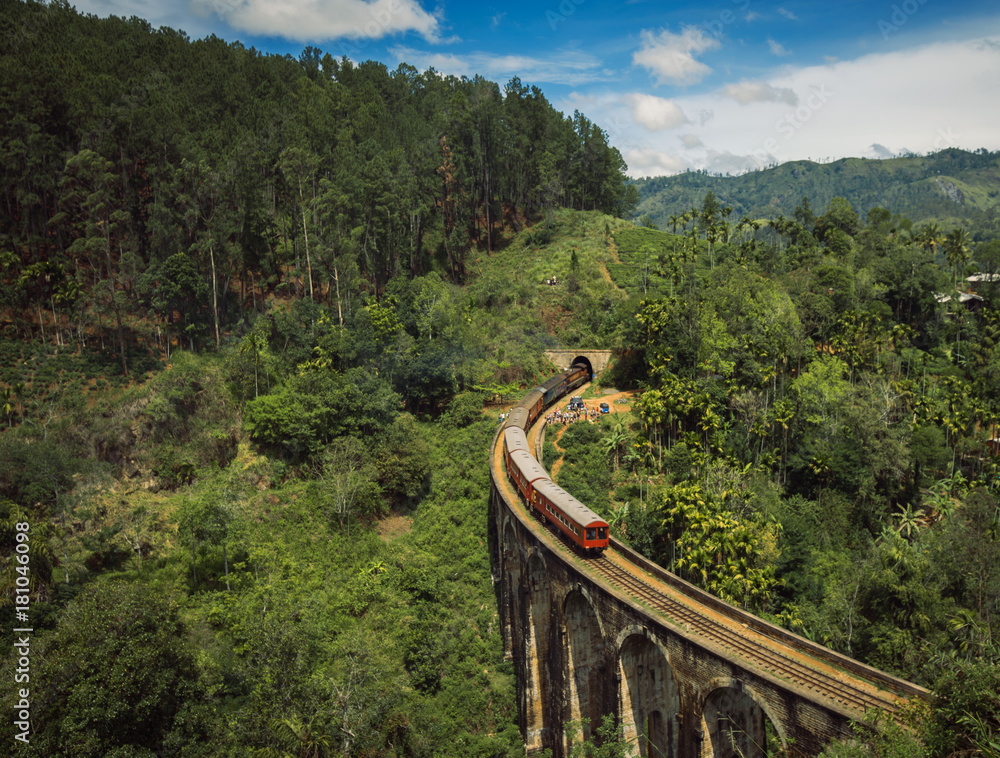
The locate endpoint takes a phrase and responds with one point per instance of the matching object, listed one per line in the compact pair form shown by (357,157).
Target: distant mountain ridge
(952,187)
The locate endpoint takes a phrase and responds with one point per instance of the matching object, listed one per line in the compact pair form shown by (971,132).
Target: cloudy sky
(723,85)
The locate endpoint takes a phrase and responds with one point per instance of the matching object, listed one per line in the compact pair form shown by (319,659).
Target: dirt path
(617,401)
(613,252)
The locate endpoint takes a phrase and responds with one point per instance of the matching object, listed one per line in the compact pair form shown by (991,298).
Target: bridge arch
(538,598)
(585,664)
(510,575)
(648,694)
(734,721)
(538,594)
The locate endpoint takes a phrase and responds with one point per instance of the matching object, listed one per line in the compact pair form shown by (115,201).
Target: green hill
(952,187)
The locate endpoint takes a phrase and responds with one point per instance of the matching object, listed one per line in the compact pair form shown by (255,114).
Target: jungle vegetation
(258,316)
(950,187)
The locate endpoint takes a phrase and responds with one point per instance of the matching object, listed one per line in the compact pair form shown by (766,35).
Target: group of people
(568,417)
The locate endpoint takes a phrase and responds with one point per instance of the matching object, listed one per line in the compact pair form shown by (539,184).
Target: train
(543,497)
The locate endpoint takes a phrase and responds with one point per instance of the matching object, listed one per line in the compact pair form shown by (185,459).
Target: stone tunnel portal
(586,362)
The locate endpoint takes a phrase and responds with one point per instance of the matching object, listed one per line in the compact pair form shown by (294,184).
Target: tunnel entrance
(586,362)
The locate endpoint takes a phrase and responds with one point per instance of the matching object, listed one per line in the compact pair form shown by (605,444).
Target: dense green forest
(952,187)
(256,311)
(816,439)
(164,185)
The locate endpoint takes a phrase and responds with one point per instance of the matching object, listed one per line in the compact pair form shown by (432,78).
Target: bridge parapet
(583,647)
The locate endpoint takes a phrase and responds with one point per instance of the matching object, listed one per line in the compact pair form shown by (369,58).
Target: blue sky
(722,85)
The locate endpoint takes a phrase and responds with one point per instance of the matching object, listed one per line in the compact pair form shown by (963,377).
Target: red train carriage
(551,390)
(533,402)
(539,398)
(518,418)
(514,438)
(577,522)
(525,472)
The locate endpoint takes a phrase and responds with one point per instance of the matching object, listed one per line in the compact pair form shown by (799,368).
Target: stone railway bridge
(687,675)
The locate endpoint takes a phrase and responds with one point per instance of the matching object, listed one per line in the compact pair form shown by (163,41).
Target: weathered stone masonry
(581,652)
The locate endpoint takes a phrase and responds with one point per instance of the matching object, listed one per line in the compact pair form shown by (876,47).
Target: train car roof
(517,419)
(515,438)
(531,398)
(530,469)
(554,381)
(569,504)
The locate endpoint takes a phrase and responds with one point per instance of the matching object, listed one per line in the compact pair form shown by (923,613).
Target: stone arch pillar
(510,575)
(536,653)
(733,722)
(585,674)
(648,695)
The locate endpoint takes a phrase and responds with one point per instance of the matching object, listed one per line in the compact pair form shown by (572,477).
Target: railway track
(754,651)
(775,659)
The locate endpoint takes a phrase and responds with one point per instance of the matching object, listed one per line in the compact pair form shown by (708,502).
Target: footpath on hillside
(617,401)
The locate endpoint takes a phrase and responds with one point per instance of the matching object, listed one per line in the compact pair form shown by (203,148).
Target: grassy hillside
(574,248)
(331,592)
(292,528)
(952,187)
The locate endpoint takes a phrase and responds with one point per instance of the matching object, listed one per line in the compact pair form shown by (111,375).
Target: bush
(113,677)
(463,410)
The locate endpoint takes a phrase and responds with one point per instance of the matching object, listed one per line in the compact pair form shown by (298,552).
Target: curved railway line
(765,658)
(790,661)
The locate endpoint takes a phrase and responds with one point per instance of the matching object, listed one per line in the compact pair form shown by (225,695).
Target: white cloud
(443,63)
(787,14)
(777,48)
(570,67)
(315,20)
(652,162)
(172,13)
(879,151)
(725,162)
(655,113)
(671,57)
(747,92)
(495,21)
(828,111)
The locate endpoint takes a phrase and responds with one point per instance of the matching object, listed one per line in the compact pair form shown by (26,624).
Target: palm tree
(780,227)
(929,236)
(747,226)
(724,223)
(6,403)
(298,739)
(713,234)
(617,521)
(674,220)
(907,521)
(616,440)
(956,250)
